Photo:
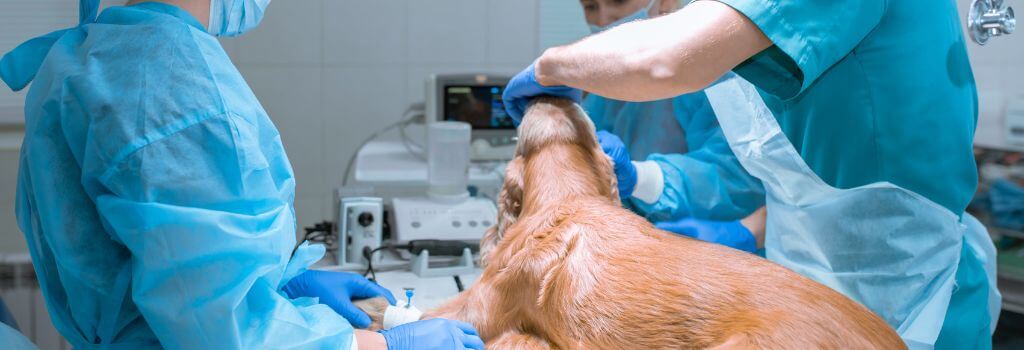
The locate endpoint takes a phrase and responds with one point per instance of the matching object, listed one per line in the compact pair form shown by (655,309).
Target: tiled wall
(999,65)
(330,72)
(999,71)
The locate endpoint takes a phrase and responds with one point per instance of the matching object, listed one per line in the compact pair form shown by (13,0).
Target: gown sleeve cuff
(650,181)
(355,343)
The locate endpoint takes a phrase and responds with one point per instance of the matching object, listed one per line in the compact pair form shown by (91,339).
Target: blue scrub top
(702,177)
(871,90)
(880,90)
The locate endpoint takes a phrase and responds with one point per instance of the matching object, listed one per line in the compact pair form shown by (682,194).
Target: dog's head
(549,121)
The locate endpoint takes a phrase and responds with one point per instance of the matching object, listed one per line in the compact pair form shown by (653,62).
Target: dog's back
(625,284)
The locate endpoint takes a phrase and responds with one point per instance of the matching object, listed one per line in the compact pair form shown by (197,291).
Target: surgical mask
(234,17)
(644,13)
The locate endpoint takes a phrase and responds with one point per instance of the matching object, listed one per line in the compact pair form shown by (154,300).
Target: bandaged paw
(398,315)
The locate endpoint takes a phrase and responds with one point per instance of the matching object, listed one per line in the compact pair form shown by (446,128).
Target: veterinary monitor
(474,99)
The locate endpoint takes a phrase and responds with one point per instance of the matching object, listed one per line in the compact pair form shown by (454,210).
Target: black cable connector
(322,232)
(438,247)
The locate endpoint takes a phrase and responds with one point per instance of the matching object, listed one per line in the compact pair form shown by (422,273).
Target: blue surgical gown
(879,90)
(156,197)
(702,176)
(12,339)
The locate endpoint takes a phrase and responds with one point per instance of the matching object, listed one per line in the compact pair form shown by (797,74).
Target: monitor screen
(478,105)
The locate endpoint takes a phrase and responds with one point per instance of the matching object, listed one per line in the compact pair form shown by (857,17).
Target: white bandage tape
(398,315)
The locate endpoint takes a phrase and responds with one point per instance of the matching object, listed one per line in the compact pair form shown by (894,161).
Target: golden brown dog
(566,267)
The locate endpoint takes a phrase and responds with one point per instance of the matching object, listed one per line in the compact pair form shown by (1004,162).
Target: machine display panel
(479,105)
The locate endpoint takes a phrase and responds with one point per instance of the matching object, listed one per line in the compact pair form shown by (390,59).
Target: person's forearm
(756,223)
(368,340)
(655,59)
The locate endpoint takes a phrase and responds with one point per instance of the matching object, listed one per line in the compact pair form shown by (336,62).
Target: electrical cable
(368,255)
(419,152)
(407,118)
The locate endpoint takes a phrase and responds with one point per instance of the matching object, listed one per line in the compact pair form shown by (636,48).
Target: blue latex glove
(433,334)
(337,290)
(625,171)
(524,87)
(729,233)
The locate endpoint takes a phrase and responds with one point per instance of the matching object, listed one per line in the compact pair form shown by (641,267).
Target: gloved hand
(433,334)
(730,234)
(524,87)
(625,171)
(337,290)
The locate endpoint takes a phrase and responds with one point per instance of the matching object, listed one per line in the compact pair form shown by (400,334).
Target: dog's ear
(605,170)
(510,204)
(586,137)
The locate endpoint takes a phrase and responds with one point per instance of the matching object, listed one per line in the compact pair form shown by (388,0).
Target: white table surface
(430,292)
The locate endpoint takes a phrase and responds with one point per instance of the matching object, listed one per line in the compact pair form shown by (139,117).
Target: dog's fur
(566,267)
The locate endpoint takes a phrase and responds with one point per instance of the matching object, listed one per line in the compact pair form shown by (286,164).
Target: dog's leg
(478,306)
(375,309)
(519,341)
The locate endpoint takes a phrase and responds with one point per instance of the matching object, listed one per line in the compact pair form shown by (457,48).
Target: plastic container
(448,160)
